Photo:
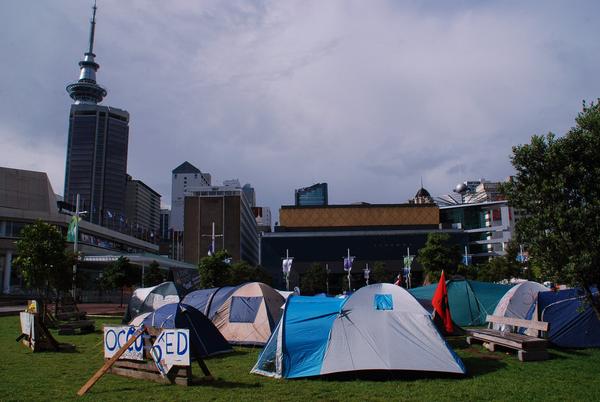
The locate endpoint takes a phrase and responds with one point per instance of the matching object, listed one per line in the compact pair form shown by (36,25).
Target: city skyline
(366,97)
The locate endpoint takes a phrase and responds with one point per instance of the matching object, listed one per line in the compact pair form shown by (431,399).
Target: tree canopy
(118,275)
(43,259)
(556,190)
(439,254)
(314,280)
(154,275)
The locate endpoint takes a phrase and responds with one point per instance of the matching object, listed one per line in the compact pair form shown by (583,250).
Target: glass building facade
(96,166)
(313,195)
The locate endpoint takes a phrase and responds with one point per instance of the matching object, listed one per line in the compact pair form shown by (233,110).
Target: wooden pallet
(146,370)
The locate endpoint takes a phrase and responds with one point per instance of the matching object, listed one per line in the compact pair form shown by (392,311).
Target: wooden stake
(90,383)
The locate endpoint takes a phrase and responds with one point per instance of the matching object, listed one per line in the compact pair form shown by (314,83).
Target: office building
(234,223)
(98,138)
(184,178)
(142,209)
(313,195)
(263,219)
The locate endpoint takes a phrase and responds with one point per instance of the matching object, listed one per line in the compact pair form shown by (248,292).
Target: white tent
(379,327)
(519,302)
(146,300)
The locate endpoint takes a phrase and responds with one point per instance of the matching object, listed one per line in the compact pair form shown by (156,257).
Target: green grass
(569,375)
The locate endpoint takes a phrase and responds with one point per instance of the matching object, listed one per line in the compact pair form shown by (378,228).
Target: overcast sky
(368,96)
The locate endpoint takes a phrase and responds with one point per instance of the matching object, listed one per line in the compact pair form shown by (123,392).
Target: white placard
(171,348)
(27,324)
(116,337)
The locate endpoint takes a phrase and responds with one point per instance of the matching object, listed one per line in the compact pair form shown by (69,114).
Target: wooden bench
(529,348)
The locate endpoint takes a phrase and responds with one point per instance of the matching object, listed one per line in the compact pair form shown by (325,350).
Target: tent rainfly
(147,300)
(573,323)
(470,301)
(245,315)
(379,327)
(205,339)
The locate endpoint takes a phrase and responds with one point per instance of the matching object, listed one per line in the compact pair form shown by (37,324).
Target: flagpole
(287,272)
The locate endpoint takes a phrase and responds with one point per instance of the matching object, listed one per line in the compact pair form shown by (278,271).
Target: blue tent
(569,326)
(470,301)
(379,327)
(208,301)
(204,336)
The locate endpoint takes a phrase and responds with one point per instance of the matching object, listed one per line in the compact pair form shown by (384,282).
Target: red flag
(441,306)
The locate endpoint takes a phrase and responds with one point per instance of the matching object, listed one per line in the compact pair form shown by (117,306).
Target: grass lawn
(569,375)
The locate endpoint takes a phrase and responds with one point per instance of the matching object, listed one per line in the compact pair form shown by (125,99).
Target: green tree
(314,280)
(242,272)
(557,191)
(379,274)
(42,258)
(439,254)
(214,270)
(118,275)
(154,275)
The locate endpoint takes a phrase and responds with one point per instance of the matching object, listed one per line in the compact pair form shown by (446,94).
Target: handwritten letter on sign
(171,348)
(116,337)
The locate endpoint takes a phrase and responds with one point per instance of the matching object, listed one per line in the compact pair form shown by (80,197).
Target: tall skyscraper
(96,165)
(142,207)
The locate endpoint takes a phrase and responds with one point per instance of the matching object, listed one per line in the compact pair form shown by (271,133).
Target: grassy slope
(569,375)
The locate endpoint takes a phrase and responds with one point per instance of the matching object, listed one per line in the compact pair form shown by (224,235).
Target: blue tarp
(308,321)
(573,323)
(204,336)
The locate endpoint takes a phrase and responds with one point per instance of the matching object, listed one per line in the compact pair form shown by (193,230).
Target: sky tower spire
(86,90)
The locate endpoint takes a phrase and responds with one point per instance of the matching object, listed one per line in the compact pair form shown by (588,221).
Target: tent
(379,327)
(519,302)
(205,339)
(470,301)
(573,323)
(145,300)
(245,315)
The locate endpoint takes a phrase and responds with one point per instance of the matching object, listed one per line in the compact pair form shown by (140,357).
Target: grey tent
(147,300)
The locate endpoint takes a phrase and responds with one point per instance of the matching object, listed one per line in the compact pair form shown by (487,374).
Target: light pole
(75,233)
(367,271)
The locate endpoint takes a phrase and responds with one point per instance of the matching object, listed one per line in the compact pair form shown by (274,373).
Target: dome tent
(245,315)
(470,301)
(204,337)
(146,300)
(379,327)
(519,302)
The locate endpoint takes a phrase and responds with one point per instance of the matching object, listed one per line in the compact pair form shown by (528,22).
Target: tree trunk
(595,303)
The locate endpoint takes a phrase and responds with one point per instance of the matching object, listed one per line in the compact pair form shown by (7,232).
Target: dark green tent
(470,301)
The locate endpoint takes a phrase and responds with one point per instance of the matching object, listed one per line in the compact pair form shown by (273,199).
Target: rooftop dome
(422,193)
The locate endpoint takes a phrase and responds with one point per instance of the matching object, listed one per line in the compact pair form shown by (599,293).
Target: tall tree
(242,272)
(380,274)
(314,280)
(118,275)
(42,258)
(439,254)
(214,270)
(154,276)
(557,190)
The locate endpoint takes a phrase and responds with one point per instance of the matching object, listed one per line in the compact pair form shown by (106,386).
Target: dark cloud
(367,96)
